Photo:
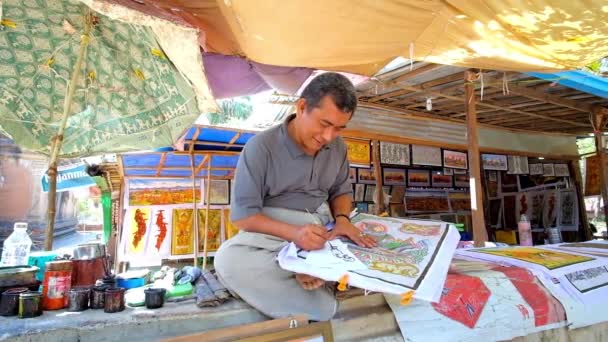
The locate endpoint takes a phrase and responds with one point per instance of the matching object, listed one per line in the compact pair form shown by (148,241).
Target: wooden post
(378,172)
(480,234)
(599,121)
(578,182)
(207,201)
(195,211)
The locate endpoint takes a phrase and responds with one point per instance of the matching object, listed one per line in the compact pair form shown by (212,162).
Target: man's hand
(309,282)
(343,227)
(310,237)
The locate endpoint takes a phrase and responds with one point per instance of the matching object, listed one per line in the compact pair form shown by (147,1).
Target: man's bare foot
(309,282)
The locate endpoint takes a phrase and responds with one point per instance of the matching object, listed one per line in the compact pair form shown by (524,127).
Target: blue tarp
(177,163)
(579,80)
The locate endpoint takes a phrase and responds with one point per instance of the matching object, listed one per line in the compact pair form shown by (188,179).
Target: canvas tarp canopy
(361,37)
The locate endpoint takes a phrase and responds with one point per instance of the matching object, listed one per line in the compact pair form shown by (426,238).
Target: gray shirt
(273,171)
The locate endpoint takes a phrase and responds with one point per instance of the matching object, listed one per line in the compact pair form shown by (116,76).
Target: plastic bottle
(525,232)
(16,249)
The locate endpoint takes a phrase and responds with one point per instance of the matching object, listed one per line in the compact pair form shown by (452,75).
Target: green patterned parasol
(139,80)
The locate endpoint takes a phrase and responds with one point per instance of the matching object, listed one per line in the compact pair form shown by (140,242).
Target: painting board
(426,155)
(441,181)
(462,181)
(183,232)
(393,176)
(567,215)
(366,176)
(455,159)
(394,154)
(561,170)
(494,162)
(359,192)
(214,231)
(536,169)
(369,192)
(358,152)
(219,192)
(548,170)
(418,178)
(518,165)
(146,192)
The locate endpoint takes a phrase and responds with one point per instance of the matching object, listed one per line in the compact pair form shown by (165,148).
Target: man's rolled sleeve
(342,184)
(248,188)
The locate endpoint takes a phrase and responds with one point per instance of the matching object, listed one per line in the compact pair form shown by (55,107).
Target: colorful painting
(418,178)
(441,181)
(518,165)
(394,154)
(140,218)
(543,257)
(214,231)
(426,202)
(220,191)
(536,169)
(358,152)
(550,209)
(589,279)
(548,170)
(397,194)
(145,192)
(561,170)
(463,299)
(462,181)
(393,176)
(523,205)
(494,162)
(229,227)
(161,229)
(592,176)
(366,176)
(426,155)
(183,232)
(455,159)
(359,192)
(352,174)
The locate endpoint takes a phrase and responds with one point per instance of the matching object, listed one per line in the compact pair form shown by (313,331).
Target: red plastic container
(56,285)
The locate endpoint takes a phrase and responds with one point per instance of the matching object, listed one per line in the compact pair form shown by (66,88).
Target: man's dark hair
(332,84)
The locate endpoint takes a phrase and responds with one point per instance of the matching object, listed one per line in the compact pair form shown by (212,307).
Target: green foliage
(586,145)
(232,109)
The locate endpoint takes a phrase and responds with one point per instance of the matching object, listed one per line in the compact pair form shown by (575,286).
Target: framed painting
(394,154)
(462,181)
(567,215)
(145,192)
(214,231)
(518,165)
(219,192)
(358,152)
(352,174)
(366,176)
(359,192)
(361,207)
(391,176)
(418,178)
(441,181)
(183,232)
(230,229)
(369,193)
(536,169)
(426,155)
(548,170)
(494,162)
(455,159)
(459,171)
(448,172)
(492,176)
(561,170)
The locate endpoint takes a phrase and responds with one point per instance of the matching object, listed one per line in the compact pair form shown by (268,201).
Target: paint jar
(30,304)
(554,235)
(79,299)
(57,283)
(9,303)
(114,300)
(155,297)
(98,294)
(109,281)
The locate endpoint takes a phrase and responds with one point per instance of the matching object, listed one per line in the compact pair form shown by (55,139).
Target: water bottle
(16,250)
(525,231)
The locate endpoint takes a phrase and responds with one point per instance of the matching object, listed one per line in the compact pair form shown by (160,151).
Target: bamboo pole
(378,172)
(58,139)
(207,202)
(599,120)
(195,236)
(480,235)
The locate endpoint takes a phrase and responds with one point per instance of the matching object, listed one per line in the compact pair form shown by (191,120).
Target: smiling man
(290,181)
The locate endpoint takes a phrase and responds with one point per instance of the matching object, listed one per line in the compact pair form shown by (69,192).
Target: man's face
(320,125)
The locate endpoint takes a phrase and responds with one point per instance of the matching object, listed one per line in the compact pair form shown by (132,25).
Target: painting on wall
(220,191)
(426,155)
(567,216)
(448,172)
(359,192)
(183,232)
(592,176)
(426,202)
(214,229)
(358,152)
(145,192)
(455,159)
(550,209)
(462,181)
(366,176)
(139,220)
(229,227)
(391,176)
(561,170)
(394,154)
(418,178)
(494,162)
(548,170)
(518,165)
(538,205)
(441,181)
(536,169)
(369,193)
